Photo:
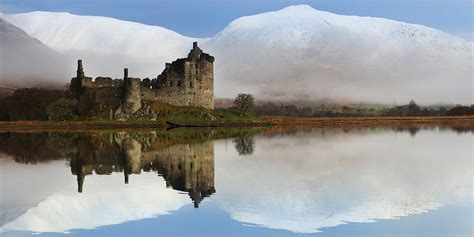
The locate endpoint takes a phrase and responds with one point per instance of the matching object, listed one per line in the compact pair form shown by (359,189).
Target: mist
(26,62)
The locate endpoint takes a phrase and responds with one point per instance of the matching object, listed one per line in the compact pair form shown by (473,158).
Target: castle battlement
(184,82)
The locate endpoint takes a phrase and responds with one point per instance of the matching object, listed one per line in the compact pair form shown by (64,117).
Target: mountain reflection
(301,180)
(306,180)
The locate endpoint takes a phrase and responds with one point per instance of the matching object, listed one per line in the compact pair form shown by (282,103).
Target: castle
(185,82)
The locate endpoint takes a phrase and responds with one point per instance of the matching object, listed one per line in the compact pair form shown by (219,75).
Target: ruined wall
(96,97)
(185,82)
(185,167)
(99,96)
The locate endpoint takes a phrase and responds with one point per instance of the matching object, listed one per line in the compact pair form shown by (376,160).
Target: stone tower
(80,70)
(80,81)
(199,68)
(132,99)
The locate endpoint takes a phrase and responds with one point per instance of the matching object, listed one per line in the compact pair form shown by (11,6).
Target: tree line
(411,109)
(37,104)
(43,104)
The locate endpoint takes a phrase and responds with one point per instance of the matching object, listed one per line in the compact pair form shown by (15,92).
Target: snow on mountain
(26,59)
(294,53)
(302,53)
(106,45)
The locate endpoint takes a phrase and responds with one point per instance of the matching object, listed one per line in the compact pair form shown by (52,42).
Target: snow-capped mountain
(299,52)
(106,45)
(26,59)
(294,53)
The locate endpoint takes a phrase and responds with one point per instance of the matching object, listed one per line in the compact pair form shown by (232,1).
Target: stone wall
(97,100)
(97,96)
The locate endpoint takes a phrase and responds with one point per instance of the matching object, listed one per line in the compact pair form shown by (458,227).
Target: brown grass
(279,120)
(266,121)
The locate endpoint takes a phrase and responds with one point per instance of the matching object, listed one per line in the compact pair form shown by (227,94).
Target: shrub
(62,109)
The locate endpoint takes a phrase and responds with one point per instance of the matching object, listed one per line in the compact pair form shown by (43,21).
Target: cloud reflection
(309,181)
(106,201)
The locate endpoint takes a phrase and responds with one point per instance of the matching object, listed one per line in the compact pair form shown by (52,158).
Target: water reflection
(184,160)
(185,167)
(308,180)
(299,180)
(244,144)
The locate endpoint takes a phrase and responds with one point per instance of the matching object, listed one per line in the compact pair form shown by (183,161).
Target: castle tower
(80,182)
(196,52)
(132,98)
(78,82)
(80,70)
(200,72)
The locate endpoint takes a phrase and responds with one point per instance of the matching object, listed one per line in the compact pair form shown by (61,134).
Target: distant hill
(227,102)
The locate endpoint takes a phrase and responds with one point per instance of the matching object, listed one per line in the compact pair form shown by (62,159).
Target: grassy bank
(341,121)
(243,122)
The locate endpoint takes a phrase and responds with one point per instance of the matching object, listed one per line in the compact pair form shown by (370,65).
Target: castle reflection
(184,159)
(185,167)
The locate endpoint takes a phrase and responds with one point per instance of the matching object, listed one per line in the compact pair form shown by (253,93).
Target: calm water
(312,182)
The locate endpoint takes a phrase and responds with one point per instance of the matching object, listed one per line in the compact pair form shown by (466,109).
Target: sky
(205,18)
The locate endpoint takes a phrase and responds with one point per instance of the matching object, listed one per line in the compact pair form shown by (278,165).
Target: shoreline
(267,121)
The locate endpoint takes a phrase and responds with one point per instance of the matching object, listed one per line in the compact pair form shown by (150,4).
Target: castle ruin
(185,82)
(184,167)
